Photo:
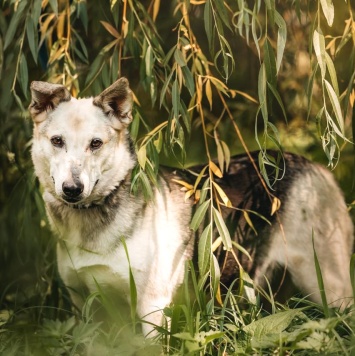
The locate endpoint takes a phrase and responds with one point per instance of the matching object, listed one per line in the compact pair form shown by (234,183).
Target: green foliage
(211,78)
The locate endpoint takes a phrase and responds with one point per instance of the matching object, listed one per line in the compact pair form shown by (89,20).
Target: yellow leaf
(223,195)
(188,194)
(215,169)
(184,184)
(110,29)
(276,204)
(247,96)
(216,243)
(219,296)
(156,7)
(197,195)
(209,92)
(60,25)
(142,156)
(199,177)
(227,154)
(249,222)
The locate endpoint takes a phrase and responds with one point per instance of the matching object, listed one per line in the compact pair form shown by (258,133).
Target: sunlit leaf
(319,49)
(215,169)
(110,29)
(332,73)
(262,92)
(281,39)
(249,222)
(336,105)
(209,92)
(223,195)
(222,229)
(328,10)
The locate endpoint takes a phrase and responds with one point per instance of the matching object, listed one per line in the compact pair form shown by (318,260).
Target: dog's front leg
(151,311)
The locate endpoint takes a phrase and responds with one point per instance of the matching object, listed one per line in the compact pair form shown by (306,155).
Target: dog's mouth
(71,200)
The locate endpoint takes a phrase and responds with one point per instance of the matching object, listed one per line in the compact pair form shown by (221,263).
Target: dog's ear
(46,97)
(116,102)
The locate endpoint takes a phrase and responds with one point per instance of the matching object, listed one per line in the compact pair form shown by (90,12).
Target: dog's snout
(72,189)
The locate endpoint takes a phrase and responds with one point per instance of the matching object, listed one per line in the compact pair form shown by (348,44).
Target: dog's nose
(72,189)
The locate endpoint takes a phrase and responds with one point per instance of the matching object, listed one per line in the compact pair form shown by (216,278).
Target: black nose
(72,189)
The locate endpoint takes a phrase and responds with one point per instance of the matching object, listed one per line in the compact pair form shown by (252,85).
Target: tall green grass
(195,324)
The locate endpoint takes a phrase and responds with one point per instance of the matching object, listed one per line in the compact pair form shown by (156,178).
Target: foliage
(208,77)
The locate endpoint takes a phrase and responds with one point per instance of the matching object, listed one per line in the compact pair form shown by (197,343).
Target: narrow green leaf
(95,69)
(328,10)
(207,15)
(13,26)
(132,284)
(23,75)
(179,58)
(54,6)
(222,229)
(205,189)
(270,5)
(215,274)
(185,117)
(175,98)
(270,63)
(262,93)
(199,215)
(168,56)
(189,80)
(281,39)
(254,23)
(336,105)
(332,73)
(222,12)
(204,250)
(310,91)
(149,61)
(32,38)
(278,98)
(165,87)
(319,49)
(320,281)
(36,10)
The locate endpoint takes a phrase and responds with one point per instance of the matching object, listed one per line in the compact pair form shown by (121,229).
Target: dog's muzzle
(72,191)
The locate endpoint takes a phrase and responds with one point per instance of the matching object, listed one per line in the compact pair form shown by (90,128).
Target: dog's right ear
(46,97)
(116,103)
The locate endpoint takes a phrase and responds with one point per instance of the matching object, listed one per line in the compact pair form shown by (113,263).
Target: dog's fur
(83,157)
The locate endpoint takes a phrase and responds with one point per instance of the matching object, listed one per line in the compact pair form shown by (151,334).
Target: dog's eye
(57,141)
(95,143)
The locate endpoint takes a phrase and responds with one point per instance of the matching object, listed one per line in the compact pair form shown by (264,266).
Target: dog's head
(81,147)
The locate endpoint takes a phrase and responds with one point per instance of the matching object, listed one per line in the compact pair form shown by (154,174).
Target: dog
(83,157)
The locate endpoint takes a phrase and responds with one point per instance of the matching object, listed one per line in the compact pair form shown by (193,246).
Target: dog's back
(312,209)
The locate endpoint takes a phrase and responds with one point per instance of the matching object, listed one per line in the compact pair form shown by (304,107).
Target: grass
(198,326)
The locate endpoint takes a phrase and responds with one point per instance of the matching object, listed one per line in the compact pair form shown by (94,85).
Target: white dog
(83,157)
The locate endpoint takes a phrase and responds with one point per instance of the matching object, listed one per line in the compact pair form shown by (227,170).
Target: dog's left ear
(116,102)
